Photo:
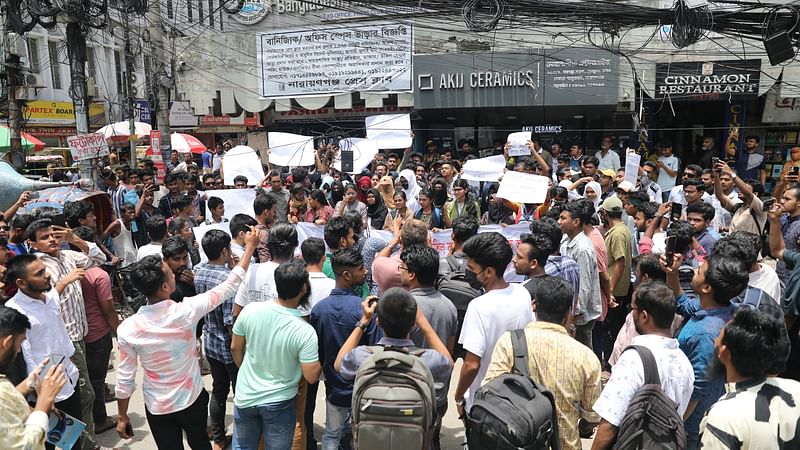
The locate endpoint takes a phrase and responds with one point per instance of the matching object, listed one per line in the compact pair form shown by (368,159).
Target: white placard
(523,187)
(200,231)
(632,161)
(87,146)
(484,169)
(389,131)
(290,150)
(369,57)
(181,114)
(242,160)
(237,201)
(442,241)
(519,144)
(364,150)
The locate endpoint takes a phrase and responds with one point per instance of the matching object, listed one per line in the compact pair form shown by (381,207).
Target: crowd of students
(685,271)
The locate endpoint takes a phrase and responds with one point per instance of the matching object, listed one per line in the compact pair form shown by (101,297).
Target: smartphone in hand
(676,211)
(768,204)
(669,252)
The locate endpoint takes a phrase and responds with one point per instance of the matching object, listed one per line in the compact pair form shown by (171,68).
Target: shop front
(52,122)
(568,95)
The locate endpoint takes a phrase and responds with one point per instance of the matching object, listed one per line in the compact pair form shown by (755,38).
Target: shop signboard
(45,112)
(536,78)
(370,57)
(181,115)
(710,80)
(141,111)
(779,109)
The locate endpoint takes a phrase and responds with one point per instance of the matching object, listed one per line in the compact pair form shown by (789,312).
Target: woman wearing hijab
(376,210)
(407,182)
(364,184)
(386,189)
(337,192)
(439,192)
(592,192)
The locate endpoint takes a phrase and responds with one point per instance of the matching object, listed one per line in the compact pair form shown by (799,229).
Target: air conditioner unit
(16,44)
(34,80)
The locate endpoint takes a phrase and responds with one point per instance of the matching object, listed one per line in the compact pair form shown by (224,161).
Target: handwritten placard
(87,146)
(523,187)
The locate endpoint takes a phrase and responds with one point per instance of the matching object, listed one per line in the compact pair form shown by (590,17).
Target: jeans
(224,377)
(97,356)
(338,434)
(168,429)
(275,421)
(84,386)
(583,333)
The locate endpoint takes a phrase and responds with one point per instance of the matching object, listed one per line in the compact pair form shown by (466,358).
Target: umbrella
(185,143)
(121,130)
(28,142)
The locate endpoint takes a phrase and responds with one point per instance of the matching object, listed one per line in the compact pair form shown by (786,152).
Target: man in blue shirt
(699,216)
(217,246)
(334,318)
(400,315)
(715,283)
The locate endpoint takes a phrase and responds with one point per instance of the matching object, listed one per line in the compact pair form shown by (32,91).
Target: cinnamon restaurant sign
(709,80)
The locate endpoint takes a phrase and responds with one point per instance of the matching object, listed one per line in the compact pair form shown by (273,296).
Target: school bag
(652,421)
(394,401)
(512,411)
(459,287)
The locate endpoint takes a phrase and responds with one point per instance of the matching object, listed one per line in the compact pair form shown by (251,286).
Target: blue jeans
(275,421)
(338,433)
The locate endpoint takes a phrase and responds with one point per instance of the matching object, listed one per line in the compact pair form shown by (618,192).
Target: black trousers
(224,378)
(168,429)
(97,356)
(71,406)
(311,405)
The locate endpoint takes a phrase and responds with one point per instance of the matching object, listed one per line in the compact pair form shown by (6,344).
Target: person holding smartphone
(750,162)
(748,212)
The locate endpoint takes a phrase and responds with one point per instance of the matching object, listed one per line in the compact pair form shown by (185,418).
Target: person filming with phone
(749,212)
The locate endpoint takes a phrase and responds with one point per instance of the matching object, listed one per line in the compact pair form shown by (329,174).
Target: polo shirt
(440,312)
(278,342)
(334,319)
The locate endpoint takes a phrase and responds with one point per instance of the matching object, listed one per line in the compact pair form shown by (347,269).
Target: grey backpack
(652,421)
(394,401)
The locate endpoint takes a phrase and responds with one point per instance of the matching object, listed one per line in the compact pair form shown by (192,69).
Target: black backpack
(512,411)
(652,421)
(459,287)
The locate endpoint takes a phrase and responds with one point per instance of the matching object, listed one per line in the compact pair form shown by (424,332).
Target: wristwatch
(362,325)
(733,176)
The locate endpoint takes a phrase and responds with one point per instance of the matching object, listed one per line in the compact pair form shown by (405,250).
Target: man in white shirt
(157,231)
(653,309)
(609,159)
(48,338)
(313,251)
(502,308)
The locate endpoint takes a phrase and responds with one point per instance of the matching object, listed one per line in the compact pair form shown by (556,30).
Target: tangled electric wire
(482,15)
(691,24)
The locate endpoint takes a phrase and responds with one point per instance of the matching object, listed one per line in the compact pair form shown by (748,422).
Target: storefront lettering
(709,84)
(480,80)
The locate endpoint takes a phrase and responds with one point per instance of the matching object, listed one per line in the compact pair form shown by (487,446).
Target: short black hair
(694,168)
(313,250)
(655,297)
(21,221)
(397,311)
(739,245)
(464,227)
(344,259)
(548,228)
(126,206)
(581,209)
(728,278)
(239,178)
(181,202)
(683,233)
(37,225)
(17,268)
(290,278)
(489,250)
(241,223)
(282,240)
(753,137)
(541,247)
(649,209)
(649,265)
(148,274)
(423,262)
(156,227)
(753,339)
(76,211)
(262,203)
(591,160)
(356,221)
(702,208)
(214,202)
(553,298)
(335,230)
(696,182)
(85,233)
(12,322)
(174,246)
(214,242)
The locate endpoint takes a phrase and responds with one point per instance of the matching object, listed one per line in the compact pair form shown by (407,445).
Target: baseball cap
(613,204)
(608,173)
(429,143)
(626,186)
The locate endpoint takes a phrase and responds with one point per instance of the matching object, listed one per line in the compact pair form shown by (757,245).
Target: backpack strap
(648,363)
(519,345)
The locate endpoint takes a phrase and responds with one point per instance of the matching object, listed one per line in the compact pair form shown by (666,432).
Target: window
(120,75)
(169,8)
(91,63)
(199,10)
(210,12)
(33,55)
(189,11)
(55,65)
(221,26)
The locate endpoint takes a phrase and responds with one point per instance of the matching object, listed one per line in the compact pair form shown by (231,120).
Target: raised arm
(776,244)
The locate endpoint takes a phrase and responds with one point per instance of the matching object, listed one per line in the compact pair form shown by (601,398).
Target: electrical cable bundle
(691,24)
(482,15)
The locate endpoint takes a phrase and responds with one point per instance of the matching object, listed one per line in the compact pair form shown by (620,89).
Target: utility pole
(161,77)
(13,69)
(126,36)
(76,52)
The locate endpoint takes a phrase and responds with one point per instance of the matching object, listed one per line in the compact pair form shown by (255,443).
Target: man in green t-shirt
(271,364)
(618,250)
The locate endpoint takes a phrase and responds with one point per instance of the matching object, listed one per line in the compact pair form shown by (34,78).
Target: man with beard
(23,428)
(39,302)
(653,309)
(271,364)
(758,412)
(162,336)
